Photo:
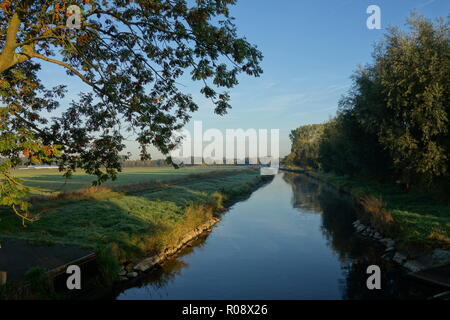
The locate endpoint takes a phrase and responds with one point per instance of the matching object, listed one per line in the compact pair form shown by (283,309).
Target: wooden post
(3,277)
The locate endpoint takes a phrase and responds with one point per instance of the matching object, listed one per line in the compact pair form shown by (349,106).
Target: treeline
(393,124)
(183,162)
(145,163)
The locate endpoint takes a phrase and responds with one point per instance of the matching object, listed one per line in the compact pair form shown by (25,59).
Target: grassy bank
(414,219)
(122,222)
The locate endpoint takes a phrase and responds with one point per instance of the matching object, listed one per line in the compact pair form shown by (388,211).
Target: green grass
(48,181)
(421,218)
(130,219)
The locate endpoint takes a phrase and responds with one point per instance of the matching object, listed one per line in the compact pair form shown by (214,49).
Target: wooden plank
(437,275)
(3,277)
(441,296)
(78,262)
(18,256)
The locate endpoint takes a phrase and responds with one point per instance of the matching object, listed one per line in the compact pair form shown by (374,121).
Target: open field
(47,181)
(144,211)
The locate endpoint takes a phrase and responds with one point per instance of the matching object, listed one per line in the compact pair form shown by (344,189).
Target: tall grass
(375,213)
(418,219)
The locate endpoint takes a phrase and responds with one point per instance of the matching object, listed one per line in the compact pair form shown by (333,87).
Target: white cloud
(279,103)
(315,111)
(302,100)
(425,4)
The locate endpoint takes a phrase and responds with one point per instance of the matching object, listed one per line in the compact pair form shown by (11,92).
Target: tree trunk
(8,56)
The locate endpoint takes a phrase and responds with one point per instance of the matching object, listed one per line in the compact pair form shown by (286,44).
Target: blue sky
(311,48)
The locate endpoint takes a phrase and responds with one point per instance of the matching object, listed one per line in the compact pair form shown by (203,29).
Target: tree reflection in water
(355,253)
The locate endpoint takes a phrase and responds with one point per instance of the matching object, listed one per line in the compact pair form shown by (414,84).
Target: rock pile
(391,253)
(133,270)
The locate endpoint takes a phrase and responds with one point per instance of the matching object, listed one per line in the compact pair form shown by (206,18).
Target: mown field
(143,211)
(48,181)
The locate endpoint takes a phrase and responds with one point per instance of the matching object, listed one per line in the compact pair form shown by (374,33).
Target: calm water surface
(292,239)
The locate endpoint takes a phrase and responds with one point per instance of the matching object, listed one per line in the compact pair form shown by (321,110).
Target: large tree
(413,70)
(131,54)
(394,122)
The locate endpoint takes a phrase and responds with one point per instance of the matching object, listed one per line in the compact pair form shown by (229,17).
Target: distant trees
(394,122)
(305,145)
(145,163)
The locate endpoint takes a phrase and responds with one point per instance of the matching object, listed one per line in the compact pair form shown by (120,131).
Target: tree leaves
(132,54)
(394,123)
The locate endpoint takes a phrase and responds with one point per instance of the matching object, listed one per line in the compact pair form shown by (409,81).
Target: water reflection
(305,192)
(354,252)
(292,239)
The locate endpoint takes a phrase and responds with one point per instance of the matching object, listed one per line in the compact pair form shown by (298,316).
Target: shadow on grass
(131,221)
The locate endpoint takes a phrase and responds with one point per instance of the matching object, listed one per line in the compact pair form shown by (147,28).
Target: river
(291,239)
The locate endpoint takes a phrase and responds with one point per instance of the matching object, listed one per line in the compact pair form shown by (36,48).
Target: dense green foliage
(132,55)
(391,135)
(305,146)
(346,148)
(393,125)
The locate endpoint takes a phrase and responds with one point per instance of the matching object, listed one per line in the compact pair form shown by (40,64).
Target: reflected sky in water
(292,239)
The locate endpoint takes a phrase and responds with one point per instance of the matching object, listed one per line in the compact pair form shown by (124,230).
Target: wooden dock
(18,256)
(79,262)
(438,275)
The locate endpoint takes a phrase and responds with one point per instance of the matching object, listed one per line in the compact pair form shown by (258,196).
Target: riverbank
(126,224)
(292,239)
(414,227)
